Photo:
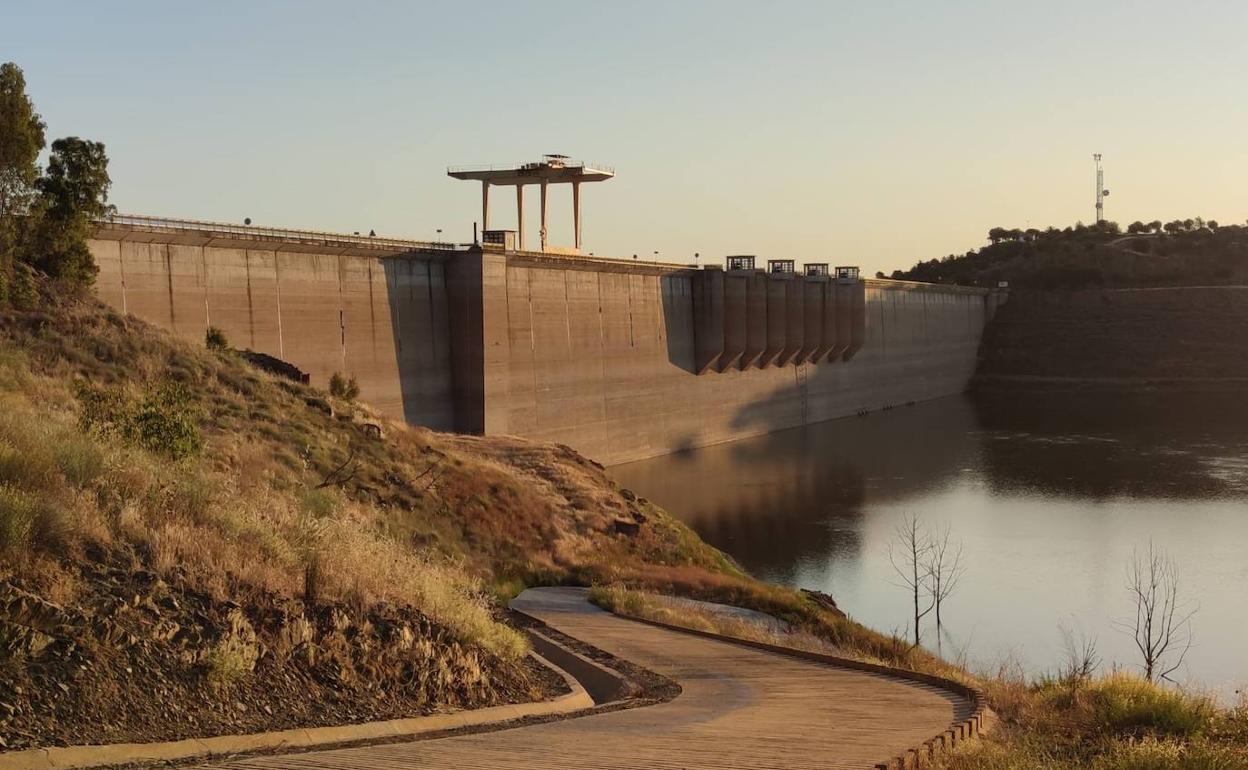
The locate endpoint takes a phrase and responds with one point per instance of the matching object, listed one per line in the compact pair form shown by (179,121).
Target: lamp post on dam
(551,169)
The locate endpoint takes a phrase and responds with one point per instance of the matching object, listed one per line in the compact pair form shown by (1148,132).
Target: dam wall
(376,311)
(624,361)
(620,360)
(1175,337)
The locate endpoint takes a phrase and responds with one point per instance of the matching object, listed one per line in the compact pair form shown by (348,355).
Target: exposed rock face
(137,658)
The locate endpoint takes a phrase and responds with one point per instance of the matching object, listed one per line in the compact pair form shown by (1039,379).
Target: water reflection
(1049,493)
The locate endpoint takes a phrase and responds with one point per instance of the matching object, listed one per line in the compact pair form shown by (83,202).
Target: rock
(628,495)
(625,527)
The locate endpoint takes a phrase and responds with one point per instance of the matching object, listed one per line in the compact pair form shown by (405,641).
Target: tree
(1155,226)
(21,141)
(73,193)
(1212,224)
(1137,227)
(909,553)
(1162,627)
(944,569)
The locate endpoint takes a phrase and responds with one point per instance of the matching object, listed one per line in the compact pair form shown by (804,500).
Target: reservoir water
(1048,495)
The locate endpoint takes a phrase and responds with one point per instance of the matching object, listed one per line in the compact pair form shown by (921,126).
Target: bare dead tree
(909,553)
(1162,626)
(1082,658)
(944,568)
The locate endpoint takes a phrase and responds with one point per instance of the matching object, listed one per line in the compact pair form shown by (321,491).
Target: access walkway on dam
(739,707)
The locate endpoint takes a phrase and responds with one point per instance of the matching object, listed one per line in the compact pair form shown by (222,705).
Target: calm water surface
(1048,495)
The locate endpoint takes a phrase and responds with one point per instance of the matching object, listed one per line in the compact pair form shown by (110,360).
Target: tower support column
(485,206)
(576,214)
(543,230)
(520,217)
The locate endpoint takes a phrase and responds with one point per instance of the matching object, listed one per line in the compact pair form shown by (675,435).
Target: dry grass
(666,609)
(284,487)
(1117,721)
(65,486)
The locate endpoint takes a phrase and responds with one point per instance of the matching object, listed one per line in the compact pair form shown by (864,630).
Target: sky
(869,133)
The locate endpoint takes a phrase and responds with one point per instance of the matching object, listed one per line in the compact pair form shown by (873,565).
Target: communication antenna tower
(1101,192)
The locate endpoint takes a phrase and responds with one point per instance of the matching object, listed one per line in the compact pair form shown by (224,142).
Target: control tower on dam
(620,359)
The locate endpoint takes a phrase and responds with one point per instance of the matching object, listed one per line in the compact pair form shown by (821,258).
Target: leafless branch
(342,474)
(909,553)
(1161,628)
(944,568)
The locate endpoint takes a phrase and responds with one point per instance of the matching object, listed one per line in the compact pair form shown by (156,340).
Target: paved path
(740,708)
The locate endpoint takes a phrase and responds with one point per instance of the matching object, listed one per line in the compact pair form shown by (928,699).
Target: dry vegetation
(146,481)
(679,612)
(1118,721)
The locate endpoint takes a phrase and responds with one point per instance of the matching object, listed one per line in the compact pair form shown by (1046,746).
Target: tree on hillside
(21,141)
(1137,227)
(1155,226)
(72,194)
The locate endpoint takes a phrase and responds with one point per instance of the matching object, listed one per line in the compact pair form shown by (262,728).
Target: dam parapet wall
(621,360)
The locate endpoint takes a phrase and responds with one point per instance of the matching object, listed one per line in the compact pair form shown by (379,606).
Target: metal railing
(581,164)
(227,228)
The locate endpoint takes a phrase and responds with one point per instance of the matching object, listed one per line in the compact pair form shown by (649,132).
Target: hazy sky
(871,133)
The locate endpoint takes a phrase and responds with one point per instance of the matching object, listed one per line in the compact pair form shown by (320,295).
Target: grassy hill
(1188,252)
(184,531)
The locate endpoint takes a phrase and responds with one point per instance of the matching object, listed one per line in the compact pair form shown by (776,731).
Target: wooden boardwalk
(740,708)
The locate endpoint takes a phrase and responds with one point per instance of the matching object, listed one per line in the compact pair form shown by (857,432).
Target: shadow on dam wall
(419,317)
(779,500)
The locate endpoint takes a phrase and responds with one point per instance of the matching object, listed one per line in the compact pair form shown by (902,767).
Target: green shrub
(1123,704)
(166,420)
(79,459)
(345,388)
(17,517)
(319,503)
(215,339)
(1153,754)
(234,655)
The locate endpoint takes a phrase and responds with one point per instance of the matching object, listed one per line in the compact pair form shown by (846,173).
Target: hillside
(1187,252)
(191,545)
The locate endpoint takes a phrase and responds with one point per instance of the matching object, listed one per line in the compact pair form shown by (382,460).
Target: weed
(234,655)
(345,388)
(214,339)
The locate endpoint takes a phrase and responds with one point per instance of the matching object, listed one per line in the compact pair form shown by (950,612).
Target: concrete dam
(619,359)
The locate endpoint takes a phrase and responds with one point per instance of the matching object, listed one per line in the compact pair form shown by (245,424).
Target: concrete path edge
(918,756)
(61,757)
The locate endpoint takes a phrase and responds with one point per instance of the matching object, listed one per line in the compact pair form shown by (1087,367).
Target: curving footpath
(739,708)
